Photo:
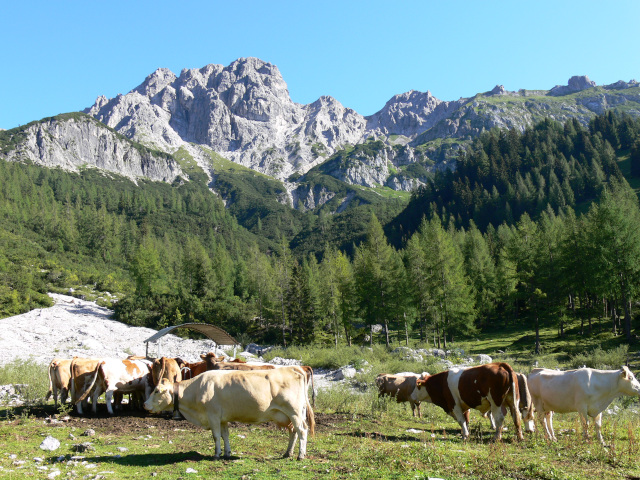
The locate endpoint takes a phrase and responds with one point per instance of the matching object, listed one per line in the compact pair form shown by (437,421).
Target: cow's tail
(311,420)
(73,380)
(50,392)
(515,393)
(93,382)
(163,361)
(313,389)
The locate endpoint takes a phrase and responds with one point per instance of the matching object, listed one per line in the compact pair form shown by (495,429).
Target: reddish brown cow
(489,387)
(190,370)
(216,363)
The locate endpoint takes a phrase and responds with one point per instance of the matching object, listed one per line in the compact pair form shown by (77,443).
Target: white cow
(215,398)
(586,391)
(112,375)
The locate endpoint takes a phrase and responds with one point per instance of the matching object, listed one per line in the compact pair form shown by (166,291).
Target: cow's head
(210,359)
(628,382)
(161,398)
(420,393)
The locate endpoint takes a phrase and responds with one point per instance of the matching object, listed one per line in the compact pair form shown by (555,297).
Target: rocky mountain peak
(155,82)
(576,83)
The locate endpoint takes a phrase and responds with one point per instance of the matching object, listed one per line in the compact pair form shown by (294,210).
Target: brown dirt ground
(129,421)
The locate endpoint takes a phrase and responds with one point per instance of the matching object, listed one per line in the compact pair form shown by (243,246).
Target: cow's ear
(625,372)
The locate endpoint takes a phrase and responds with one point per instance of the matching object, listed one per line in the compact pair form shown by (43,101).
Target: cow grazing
(123,376)
(586,391)
(400,387)
(215,398)
(59,379)
(168,368)
(525,405)
(489,387)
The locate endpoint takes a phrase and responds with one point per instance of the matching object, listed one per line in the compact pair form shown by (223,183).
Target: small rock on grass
(50,443)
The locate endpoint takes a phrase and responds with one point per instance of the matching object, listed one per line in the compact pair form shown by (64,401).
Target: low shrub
(602,359)
(31,375)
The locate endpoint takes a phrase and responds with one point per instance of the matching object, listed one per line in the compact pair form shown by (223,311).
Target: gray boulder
(50,444)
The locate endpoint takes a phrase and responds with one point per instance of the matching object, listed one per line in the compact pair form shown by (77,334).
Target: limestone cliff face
(243,112)
(74,141)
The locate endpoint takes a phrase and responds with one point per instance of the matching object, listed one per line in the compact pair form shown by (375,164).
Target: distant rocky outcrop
(576,84)
(75,141)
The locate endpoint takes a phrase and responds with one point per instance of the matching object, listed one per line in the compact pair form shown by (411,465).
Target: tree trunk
(406,330)
(627,319)
(537,335)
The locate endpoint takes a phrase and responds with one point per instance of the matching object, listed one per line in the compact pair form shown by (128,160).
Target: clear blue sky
(59,56)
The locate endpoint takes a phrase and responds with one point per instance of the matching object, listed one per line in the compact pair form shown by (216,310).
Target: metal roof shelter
(218,335)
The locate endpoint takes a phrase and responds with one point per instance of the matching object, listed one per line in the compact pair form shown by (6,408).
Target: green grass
(357,436)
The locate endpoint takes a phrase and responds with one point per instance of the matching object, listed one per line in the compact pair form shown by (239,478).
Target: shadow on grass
(151,459)
(452,433)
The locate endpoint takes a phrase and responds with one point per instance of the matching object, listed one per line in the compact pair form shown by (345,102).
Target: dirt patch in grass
(134,422)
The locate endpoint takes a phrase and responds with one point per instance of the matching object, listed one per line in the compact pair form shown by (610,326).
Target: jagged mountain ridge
(244,113)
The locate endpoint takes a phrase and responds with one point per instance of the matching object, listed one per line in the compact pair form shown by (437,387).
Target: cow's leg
(584,419)
(299,432)
(418,407)
(108,398)
(549,419)
(214,423)
(293,437)
(498,418)
(225,437)
(463,420)
(597,420)
(64,394)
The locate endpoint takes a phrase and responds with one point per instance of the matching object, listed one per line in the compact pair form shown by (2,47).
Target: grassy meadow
(357,434)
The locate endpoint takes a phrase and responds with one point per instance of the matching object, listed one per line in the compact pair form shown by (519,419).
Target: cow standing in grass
(215,398)
(400,387)
(59,379)
(587,391)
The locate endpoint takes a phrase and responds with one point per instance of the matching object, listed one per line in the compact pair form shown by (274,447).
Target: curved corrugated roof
(216,334)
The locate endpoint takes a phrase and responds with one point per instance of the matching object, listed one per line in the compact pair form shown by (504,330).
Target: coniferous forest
(540,228)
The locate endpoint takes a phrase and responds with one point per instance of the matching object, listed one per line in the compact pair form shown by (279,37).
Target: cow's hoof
(300,457)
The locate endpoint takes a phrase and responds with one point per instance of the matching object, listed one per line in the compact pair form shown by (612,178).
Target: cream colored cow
(59,379)
(586,391)
(215,398)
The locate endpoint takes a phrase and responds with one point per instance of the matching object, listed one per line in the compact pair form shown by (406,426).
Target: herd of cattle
(495,387)
(213,392)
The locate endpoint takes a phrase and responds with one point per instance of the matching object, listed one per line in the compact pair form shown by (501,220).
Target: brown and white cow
(215,398)
(59,379)
(82,370)
(123,376)
(400,387)
(525,405)
(490,387)
(587,391)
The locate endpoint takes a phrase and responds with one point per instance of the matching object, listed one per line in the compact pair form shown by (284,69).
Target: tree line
(536,228)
